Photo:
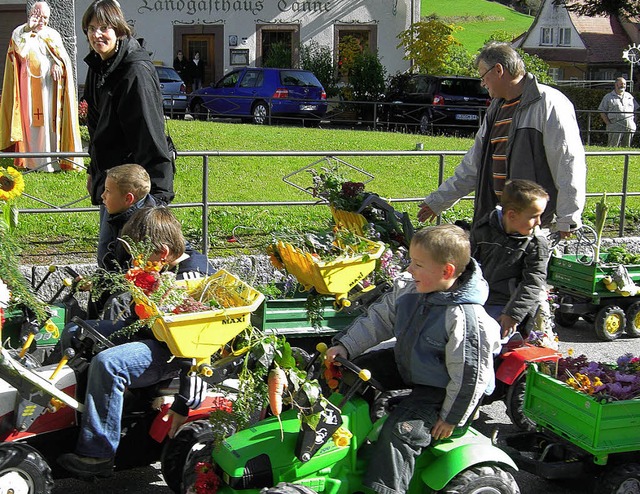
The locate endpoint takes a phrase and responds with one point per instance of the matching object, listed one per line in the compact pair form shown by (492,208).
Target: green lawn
(479,19)
(253,179)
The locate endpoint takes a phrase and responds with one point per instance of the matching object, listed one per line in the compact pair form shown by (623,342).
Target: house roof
(604,38)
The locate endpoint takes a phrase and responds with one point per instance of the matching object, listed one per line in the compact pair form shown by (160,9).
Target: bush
(367,77)
(319,60)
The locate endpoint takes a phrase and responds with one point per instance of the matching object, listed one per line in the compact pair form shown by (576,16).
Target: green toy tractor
(290,456)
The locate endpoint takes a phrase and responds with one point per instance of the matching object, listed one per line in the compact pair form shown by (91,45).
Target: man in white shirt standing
(617,111)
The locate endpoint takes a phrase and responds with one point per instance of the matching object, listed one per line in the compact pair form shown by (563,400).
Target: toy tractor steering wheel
(363,374)
(99,341)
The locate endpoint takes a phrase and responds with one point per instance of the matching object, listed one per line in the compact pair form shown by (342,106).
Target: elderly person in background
(39,109)
(616,110)
(530,132)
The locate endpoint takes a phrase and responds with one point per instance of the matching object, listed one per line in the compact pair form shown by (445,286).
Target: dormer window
(546,36)
(564,36)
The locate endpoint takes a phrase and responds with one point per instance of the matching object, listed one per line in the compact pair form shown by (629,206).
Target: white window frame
(546,36)
(564,36)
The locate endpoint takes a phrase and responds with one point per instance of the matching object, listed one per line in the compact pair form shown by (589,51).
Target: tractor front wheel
(192,444)
(610,323)
(23,470)
(622,479)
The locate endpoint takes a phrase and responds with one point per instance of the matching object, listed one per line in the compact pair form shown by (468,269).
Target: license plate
(308,107)
(466,116)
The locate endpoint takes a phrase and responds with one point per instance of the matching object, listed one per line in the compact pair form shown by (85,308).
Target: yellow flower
(570,352)
(342,437)
(11,183)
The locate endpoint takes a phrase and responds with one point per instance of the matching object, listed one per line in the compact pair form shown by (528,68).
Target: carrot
(277,382)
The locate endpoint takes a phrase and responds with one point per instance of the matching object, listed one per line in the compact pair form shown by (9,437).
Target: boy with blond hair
(513,254)
(444,351)
(126,190)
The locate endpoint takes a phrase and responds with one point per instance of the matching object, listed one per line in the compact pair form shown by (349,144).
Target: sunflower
(11,183)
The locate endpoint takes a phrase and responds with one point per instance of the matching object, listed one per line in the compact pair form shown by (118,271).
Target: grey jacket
(544,146)
(434,345)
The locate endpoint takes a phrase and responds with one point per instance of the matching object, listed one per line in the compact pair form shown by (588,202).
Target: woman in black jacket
(125,117)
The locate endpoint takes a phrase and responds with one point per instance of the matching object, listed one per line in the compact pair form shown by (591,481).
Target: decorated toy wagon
(199,335)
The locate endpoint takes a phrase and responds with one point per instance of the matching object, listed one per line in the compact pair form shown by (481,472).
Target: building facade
(578,47)
(232,33)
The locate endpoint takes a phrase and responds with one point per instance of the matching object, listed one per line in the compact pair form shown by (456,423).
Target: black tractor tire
(195,439)
(22,469)
(482,478)
(515,405)
(286,488)
(610,323)
(260,112)
(622,479)
(565,319)
(633,320)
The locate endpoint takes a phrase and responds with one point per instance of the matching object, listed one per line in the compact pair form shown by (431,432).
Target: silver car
(174,92)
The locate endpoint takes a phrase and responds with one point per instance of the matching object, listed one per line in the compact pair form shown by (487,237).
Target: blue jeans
(404,435)
(131,365)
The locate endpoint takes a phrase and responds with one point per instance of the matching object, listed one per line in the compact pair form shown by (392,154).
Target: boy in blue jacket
(444,351)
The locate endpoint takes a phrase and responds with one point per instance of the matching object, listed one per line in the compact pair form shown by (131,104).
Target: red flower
(207,482)
(144,280)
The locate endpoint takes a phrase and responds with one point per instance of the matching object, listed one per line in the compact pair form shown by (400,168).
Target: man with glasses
(616,110)
(529,132)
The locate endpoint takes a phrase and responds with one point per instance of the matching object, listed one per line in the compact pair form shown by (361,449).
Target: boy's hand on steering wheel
(334,351)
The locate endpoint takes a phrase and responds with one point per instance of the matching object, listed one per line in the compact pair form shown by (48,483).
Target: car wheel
(199,111)
(425,124)
(22,469)
(260,113)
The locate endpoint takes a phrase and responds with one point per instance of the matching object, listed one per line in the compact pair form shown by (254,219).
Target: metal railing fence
(205,204)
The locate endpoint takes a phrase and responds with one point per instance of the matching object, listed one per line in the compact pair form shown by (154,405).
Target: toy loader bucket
(335,277)
(201,334)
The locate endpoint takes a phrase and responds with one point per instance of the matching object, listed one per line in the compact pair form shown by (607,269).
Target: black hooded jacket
(514,265)
(125,119)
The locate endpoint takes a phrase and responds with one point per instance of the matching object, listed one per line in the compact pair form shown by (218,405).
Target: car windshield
(298,78)
(166,74)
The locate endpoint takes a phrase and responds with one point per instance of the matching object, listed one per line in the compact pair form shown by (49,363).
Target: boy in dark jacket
(444,351)
(126,189)
(513,254)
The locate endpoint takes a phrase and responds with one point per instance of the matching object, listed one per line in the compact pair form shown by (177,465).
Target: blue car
(260,95)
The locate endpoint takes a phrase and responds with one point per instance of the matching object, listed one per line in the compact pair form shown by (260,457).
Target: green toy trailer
(585,290)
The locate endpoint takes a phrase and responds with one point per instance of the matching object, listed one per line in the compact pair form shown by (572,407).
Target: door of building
(203,43)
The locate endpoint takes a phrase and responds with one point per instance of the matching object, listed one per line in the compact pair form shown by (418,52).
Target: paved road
(581,338)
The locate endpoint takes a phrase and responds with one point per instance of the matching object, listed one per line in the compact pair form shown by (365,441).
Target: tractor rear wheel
(487,479)
(633,320)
